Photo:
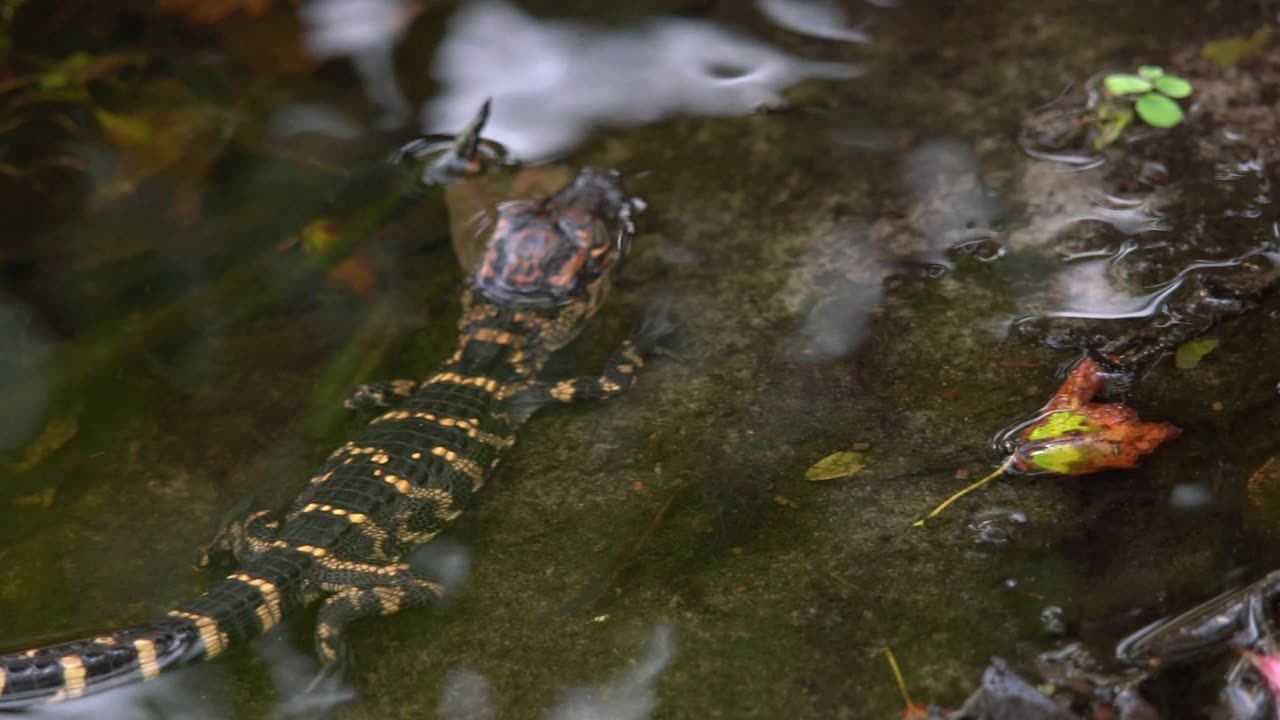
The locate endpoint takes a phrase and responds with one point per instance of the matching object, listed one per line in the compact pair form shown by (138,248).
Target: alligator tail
(71,670)
(243,606)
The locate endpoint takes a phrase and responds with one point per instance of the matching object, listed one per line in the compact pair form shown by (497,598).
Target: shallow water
(879,263)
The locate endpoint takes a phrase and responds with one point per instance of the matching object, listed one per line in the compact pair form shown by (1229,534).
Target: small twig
(947,503)
(897,676)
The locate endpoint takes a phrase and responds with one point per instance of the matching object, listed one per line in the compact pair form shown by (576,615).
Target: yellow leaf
(123,130)
(1190,352)
(320,235)
(836,465)
(1231,51)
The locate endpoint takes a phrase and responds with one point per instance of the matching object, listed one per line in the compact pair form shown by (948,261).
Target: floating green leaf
(1229,52)
(1059,458)
(1060,423)
(1192,351)
(836,465)
(1173,86)
(1158,111)
(1126,84)
(1151,72)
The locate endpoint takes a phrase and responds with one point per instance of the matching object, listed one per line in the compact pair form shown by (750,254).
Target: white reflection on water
(467,696)
(554,81)
(1087,293)
(25,378)
(302,118)
(630,696)
(817,18)
(366,31)
(446,562)
(169,697)
(299,693)
(1085,290)
(950,205)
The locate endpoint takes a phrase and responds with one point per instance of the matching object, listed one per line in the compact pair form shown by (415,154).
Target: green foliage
(1154,95)
(1158,111)
(1173,86)
(1123,84)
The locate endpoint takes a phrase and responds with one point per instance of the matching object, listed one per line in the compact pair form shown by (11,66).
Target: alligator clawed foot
(442,159)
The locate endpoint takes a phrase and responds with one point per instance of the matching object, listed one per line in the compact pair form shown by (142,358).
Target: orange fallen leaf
(1075,436)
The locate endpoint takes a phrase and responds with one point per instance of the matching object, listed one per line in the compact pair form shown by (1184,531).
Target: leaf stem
(897,676)
(947,503)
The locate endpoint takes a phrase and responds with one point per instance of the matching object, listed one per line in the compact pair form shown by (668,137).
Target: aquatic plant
(1151,95)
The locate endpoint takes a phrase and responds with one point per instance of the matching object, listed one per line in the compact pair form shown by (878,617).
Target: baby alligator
(408,474)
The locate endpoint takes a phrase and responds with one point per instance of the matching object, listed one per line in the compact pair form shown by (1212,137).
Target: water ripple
(554,81)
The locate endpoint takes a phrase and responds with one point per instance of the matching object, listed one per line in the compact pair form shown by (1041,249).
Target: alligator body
(407,475)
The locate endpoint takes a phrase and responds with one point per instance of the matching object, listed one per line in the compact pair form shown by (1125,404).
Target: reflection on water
(840,278)
(467,695)
(553,81)
(835,284)
(366,31)
(24,372)
(303,118)
(952,208)
(630,696)
(818,18)
(446,561)
(298,693)
(1086,289)
(168,696)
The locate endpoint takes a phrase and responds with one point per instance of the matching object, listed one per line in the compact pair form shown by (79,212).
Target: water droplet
(1051,620)
(997,526)
(1190,496)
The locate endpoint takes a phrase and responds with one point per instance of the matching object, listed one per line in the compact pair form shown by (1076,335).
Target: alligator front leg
(241,538)
(363,590)
(380,394)
(618,375)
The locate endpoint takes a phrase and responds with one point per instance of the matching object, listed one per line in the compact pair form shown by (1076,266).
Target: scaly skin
(406,476)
